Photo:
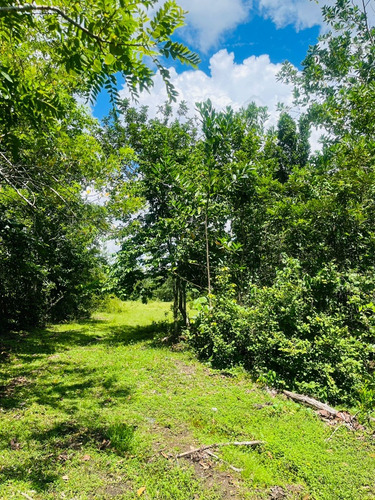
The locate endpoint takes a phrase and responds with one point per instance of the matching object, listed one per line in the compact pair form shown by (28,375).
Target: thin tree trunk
(182,303)
(207,256)
(175,304)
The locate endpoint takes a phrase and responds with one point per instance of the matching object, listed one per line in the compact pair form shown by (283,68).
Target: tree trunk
(207,256)
(182,304)
(175,304)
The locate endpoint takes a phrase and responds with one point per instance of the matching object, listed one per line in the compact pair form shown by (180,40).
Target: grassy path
(98,409)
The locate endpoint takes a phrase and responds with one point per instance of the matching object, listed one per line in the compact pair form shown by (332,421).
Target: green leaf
(97,67)
(109,59)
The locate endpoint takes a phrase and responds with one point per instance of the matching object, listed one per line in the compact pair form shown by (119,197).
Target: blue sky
(242,44)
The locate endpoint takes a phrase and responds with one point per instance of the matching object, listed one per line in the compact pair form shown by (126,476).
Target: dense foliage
(50,149)
(275,245)
(48,260)
(278,244)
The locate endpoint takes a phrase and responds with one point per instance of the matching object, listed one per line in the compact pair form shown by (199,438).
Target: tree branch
(45,9)
(10,183)
(364,7)
(187,281)
(219,445)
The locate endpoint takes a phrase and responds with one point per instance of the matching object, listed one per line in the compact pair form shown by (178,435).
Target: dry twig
(219,445)
(334,432)
(236,469)
(26,496)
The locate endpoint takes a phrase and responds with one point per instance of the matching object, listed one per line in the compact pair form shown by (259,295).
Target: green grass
(98,409)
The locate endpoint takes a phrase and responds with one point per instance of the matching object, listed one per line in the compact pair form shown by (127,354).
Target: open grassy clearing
(96,409)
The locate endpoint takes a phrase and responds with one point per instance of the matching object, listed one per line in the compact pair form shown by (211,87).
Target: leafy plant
(307,332)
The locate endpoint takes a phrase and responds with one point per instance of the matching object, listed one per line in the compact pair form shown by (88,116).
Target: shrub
(317,333)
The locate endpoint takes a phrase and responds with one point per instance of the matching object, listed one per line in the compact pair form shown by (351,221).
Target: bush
(317,333)
(112,304)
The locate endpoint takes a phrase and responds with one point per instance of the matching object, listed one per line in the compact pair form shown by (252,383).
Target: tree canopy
(273,245)
(50,150)
(94,40)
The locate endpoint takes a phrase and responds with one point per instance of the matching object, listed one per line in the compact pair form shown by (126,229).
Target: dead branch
(314,403)
(334,432)
(26,496)
(236,469)
(13,186)
(219,445)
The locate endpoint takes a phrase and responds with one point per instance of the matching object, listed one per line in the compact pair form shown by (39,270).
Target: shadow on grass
(35,354)
(60,444)
(40,342)
(28,365)
(66,393)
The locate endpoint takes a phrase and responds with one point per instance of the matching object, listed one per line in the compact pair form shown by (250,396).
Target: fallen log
(326,412)
(314,403)
(219,445)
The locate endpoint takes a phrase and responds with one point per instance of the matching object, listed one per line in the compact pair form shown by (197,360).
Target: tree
(49,152)
(49,52)
(190,187)
(338,75)
(49,262)
(292,145)
(96,39)
(155,239)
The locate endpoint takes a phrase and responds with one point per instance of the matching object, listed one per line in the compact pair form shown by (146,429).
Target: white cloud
(208,20)
(229,83)
(301,13)
(84,102)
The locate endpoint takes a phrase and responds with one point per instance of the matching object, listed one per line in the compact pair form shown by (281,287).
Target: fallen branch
(334,432)
(327,412)
(236,469)
(314,403)
(26,496)
(219,445)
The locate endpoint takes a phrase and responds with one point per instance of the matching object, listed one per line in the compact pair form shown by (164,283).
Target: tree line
(273,243)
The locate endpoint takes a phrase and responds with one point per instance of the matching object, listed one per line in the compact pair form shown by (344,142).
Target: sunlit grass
(87,408)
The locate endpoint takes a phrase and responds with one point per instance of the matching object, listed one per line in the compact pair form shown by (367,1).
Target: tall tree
(338,75)
(155,242)
(292,145)
(49,52)
(48,256)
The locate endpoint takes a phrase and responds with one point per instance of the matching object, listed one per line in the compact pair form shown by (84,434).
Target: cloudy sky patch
(243,44)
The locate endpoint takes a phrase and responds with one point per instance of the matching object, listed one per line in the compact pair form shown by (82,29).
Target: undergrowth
(99,409)
(312,333)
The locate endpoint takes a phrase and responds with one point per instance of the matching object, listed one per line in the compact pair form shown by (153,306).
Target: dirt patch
(289,492)
(205,466)
(168,440)
(206,469)
(112,490)
(189,370)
